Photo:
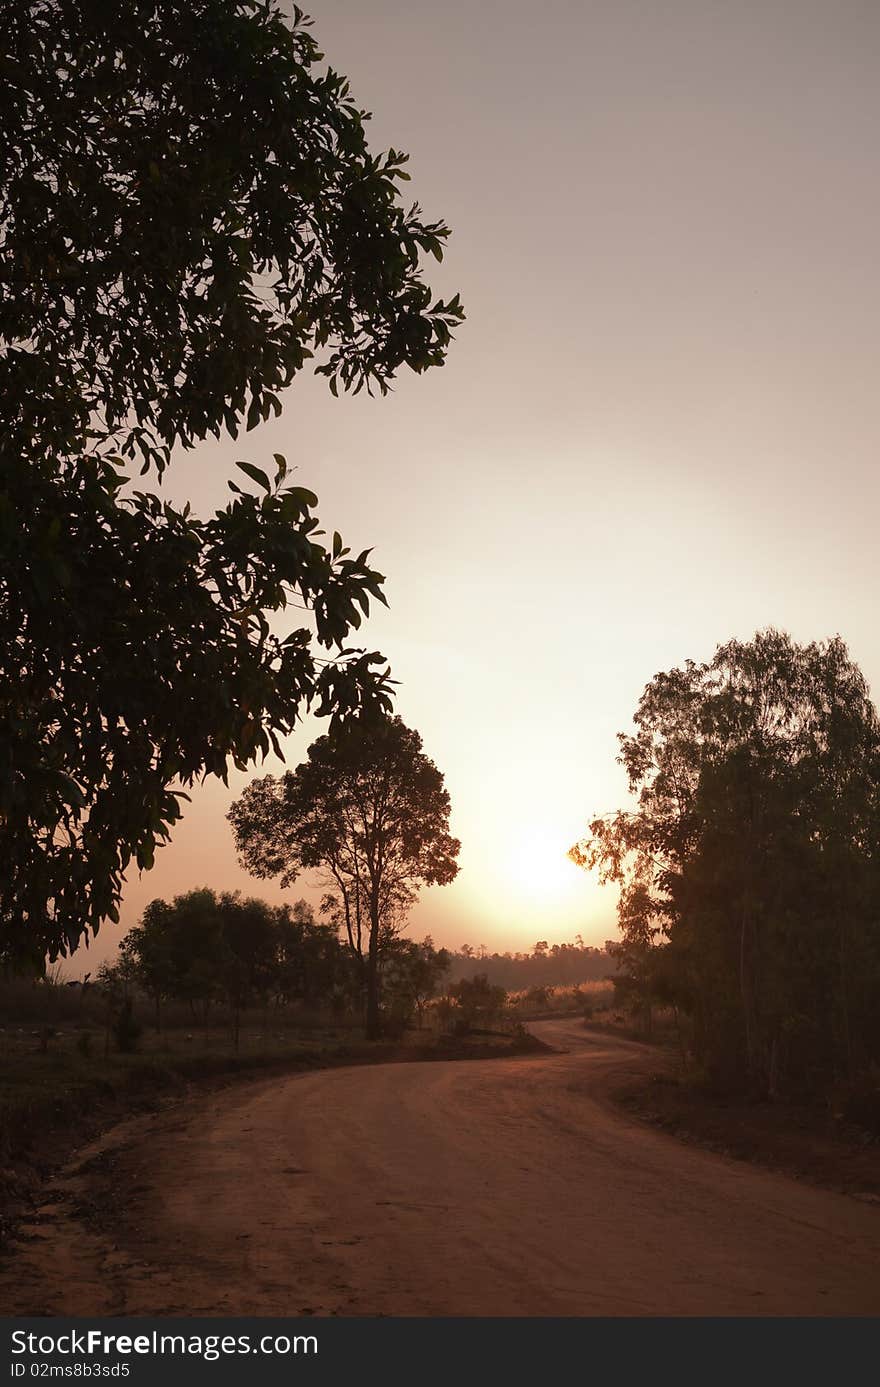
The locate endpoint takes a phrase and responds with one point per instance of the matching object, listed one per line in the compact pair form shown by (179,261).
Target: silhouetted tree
(410,976)
(749,869)
(474,1001)
(149,954)
(176,948)
(247,959)
(313,966)
(371,809)
(189,213)
(202,947)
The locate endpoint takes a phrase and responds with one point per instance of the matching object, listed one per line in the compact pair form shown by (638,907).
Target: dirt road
(499,1187)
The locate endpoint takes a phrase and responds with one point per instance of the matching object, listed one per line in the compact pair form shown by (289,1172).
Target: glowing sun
(540,869)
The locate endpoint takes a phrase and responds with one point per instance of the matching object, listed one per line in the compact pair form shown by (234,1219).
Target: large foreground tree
(189,212)
(750,867)
(371,810)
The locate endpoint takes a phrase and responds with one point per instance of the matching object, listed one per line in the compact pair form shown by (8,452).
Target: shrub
(861,1104)
(126,1028)
(393,1024)
(472,1002)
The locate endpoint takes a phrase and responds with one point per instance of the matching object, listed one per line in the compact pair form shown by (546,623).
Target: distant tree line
(749,870)
(547,965)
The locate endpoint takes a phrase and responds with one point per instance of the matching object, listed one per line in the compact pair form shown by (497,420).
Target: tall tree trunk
(362,987)
(747,949)
(745,988)
(844,996)
(373,1021)
(679,1036)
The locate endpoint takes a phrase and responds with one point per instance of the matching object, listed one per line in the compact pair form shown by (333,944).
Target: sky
(656,430)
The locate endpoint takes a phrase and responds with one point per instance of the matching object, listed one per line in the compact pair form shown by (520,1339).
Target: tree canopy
(411,974)
(370,809)
(189,213)
(202,947)
(749,869)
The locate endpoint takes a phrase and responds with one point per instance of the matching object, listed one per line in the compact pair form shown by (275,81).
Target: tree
(175,949)
(749,868)
(313,965)
(143,663)
(411,974)
(247,960)
(474,1000)
(148,955)
(371,810)
(189,213)
(202,947)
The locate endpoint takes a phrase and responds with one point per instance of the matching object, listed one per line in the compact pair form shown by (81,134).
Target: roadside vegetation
(749,907)
(209,987)
(749,870)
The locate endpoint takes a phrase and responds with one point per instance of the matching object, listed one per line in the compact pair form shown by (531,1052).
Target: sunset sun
(540,868)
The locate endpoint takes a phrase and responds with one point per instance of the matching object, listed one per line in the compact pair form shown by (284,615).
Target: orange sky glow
(656,430)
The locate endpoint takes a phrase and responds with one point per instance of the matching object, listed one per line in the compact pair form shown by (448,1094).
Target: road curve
(498,1187)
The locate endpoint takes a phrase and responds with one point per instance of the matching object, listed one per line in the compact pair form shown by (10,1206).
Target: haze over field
(657,429)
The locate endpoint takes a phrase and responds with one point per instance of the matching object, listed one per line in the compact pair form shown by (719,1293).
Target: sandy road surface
(499,1187)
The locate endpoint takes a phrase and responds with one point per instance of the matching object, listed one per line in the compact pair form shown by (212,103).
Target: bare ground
(498,1187)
